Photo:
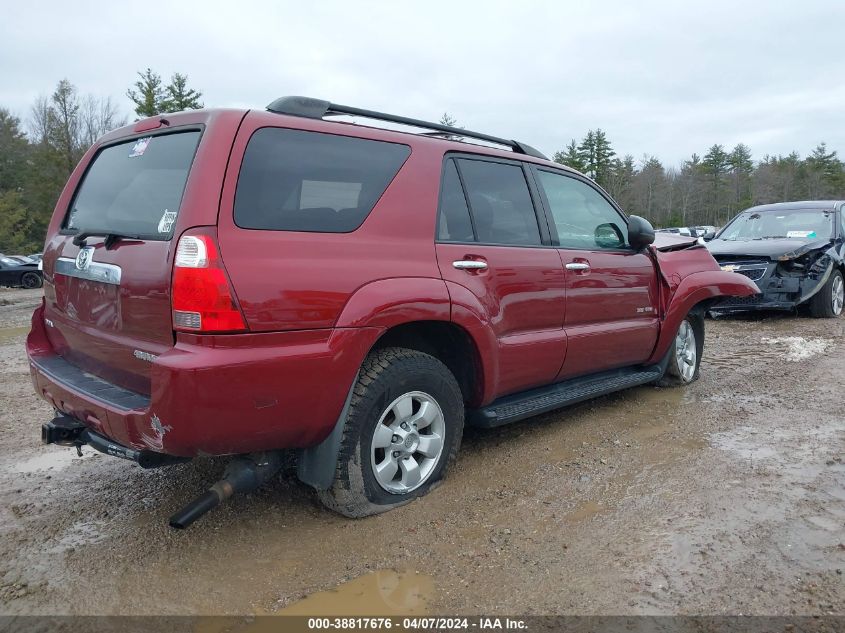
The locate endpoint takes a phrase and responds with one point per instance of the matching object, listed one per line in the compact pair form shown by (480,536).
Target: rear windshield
(135,188)
(292,180)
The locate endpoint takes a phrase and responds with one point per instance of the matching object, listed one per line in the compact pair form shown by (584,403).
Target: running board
(525,404)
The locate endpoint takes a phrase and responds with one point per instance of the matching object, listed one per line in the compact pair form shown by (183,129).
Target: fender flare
(692,290)
(394,301)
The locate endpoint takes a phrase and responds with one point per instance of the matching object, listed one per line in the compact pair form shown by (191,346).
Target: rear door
(491,242)
(108,300)
(611,318)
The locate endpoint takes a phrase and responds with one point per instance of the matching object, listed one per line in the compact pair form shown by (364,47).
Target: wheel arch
(698,291)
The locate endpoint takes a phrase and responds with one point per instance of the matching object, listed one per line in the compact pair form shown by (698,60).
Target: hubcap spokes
(407,442)
(838,295)
(685,351)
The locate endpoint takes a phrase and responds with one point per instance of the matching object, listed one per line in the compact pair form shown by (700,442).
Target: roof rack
(317,109)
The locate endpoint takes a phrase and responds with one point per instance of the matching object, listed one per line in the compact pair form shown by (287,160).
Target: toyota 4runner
(229,282)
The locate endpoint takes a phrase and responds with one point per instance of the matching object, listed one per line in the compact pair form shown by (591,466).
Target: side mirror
(708,236)
(640,232)
(608,235)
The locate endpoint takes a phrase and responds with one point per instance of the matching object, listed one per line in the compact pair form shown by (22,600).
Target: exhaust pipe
(243,474)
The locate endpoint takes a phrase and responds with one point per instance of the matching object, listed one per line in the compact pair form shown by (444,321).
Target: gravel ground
(726,497)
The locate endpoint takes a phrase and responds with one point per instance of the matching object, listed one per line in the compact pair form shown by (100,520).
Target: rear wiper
(111,237)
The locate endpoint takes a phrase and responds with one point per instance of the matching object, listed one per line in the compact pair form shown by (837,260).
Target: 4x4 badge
(83,258)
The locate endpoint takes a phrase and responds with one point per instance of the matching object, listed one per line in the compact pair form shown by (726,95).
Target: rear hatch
(108,308)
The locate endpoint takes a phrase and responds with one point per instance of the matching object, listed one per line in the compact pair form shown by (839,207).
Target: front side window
(584,219)
(500,203)
(135,187)
(291,180)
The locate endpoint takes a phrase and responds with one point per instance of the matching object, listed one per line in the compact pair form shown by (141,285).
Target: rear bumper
(214,395)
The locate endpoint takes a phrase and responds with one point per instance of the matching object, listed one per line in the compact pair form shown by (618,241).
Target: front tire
(685,353)
(403,429)
(828,302)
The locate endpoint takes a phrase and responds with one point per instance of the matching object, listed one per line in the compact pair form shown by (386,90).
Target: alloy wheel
(685,351)
(837,295)
(407,442)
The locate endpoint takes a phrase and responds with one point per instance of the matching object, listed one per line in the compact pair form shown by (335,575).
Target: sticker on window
(140,147)
(166,223)
(800,234)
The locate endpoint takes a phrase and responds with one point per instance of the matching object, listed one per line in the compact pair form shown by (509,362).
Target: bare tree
(98,116)
(69,123)
(39,120)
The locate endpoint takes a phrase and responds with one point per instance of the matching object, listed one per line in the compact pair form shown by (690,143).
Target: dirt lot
(725,497)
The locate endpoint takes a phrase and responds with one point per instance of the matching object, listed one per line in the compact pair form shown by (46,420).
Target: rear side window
(454,223)
(292,180)
(135,187)
(500,203)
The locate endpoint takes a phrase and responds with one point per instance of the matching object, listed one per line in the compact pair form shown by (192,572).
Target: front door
(611,316)
(490,243)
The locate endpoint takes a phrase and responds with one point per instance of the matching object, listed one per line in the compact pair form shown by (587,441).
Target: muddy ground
(724,497)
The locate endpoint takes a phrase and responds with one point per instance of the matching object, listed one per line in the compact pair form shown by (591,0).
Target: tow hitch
(243,474)
(66,431)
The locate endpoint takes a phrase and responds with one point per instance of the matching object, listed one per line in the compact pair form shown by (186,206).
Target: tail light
(202,297)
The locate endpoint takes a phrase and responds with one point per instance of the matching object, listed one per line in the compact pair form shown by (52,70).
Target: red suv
(229,282)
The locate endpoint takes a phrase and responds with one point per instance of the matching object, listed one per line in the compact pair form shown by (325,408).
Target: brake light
(202,297)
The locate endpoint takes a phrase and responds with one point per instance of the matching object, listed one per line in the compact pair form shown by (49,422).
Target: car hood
(764,248)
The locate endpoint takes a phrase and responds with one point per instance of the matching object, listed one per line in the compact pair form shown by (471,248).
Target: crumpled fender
(692,290)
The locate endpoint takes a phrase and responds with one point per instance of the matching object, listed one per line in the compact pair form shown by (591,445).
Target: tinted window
(582,216)
(135,187)
(500,203)
(454,223)
(292,180)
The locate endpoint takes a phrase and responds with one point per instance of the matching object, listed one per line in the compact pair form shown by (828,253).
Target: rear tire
(827,303)
(685,353)
(403,429)
(30,281)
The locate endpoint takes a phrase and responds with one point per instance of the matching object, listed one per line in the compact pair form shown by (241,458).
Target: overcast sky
(661,78)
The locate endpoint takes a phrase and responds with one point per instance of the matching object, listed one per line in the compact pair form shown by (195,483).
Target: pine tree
(603,157)
(570,157)
(149,94)
(715,165)
(447,119)
(178,96)
(741,166)
(14,151)
(587,154)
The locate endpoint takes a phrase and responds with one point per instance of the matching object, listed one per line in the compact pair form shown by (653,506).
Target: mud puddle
(380,593)
(54,459)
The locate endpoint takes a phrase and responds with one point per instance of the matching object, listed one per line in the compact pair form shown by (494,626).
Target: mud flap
(316,465)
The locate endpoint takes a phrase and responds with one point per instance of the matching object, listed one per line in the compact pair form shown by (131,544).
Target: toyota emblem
(83,258)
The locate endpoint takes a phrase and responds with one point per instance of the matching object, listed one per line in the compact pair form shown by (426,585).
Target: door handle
(469,264)
(577,266)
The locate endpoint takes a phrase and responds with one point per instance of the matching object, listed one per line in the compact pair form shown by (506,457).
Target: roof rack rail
(317,109)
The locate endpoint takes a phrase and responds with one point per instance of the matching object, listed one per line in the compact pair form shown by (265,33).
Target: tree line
(38,154)
(706,189)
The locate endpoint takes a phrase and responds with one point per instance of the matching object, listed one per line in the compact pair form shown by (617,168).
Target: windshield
(135,187)
(806,224)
